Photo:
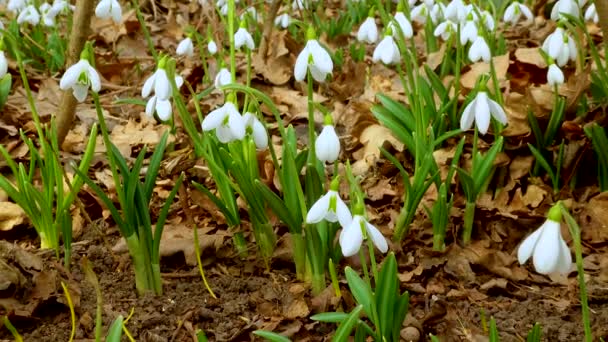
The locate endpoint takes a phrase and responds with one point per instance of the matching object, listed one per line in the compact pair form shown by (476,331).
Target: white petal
(377,238)
(214,119)
(212,47)
(70,77)
(468,116)
(497,112)
(4,65)
(344,216)
(482,113)
(116,12)
(163,109)
(327,145)
(185,47)
(351,237)
(237,126)
(320,56)
(102,10)
(260,137)
(150,106)
(564,264)
(93,77)
(162,87)
(547,250)
(223,134)
(526,249)
(299,71)
(148,86)
(80,91)
(319,209)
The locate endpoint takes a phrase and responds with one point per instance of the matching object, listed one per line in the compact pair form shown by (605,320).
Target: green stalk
(469,216)
(139,265)
(575,231)
(231,12)
(299,255)
(144,29)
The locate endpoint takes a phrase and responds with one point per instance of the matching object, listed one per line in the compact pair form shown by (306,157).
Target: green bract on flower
(79,77)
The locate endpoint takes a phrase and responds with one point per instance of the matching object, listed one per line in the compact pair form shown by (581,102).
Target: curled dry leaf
(11,215)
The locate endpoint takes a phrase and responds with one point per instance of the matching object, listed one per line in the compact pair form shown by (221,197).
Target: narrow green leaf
(270,336)
(115,331)
(387,294)
(330,317)
(346,327)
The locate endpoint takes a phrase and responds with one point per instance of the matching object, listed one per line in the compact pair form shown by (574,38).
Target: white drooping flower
(256,128)
(48,15)
(327,145)
(29,15)
(570,7)
(404,25)
(591,14)
(445,29)
(3,65)
(481,110)
(212,47)
(479,50)
(424,11)
(222,78)
(107,9)
(329,207)
(368,31)
(185,47)
(560,46)
(243,37)
(61,6)
(16,6)
(282,20)
(387,51)
(546,246)
(162,107)
(555,76)
(227,122)
(351,236)
(455,11)
(468,32)
(79,77)
(514,12)
(315,58)
(159,82)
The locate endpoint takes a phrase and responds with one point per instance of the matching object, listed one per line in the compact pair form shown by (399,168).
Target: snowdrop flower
(387,51)
(480,110)
(368,31)
(107,9)
(315,58)
(222,78)
(570,7)
(404,24)
(423,11)
(243,37)
(547,247)
(330,207)
(282,20)
(445,29)
(3,65)
(249,12)
(212,47)
(514,12)
(479,50)
(162,107)
(591,14)
(16,6)
(351,236)
(227,122)
(455,11)
(468,32)
(60,6)
(79,77)
(555,76)
(327,145)
(159,82)
(560,46)
(29,15)
(185,47)
(48,16)
(486,19)
(257,130)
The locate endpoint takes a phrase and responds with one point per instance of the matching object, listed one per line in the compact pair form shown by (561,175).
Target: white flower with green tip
(185,47)
(107,9)
(315,58)
(256,128)
(351,236)
(481,110)
(330,207)
(550,253)
(79,77)
(159,82)
(227,122)
(368,31)
(387,51)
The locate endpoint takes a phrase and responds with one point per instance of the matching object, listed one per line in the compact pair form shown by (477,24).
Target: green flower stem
(231,13)
(334,278)
(299,255)
(575,231)
(202,50)
(312,157)
(469,216)
(144,29)
(364,266)
(372,258)
(459,52)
